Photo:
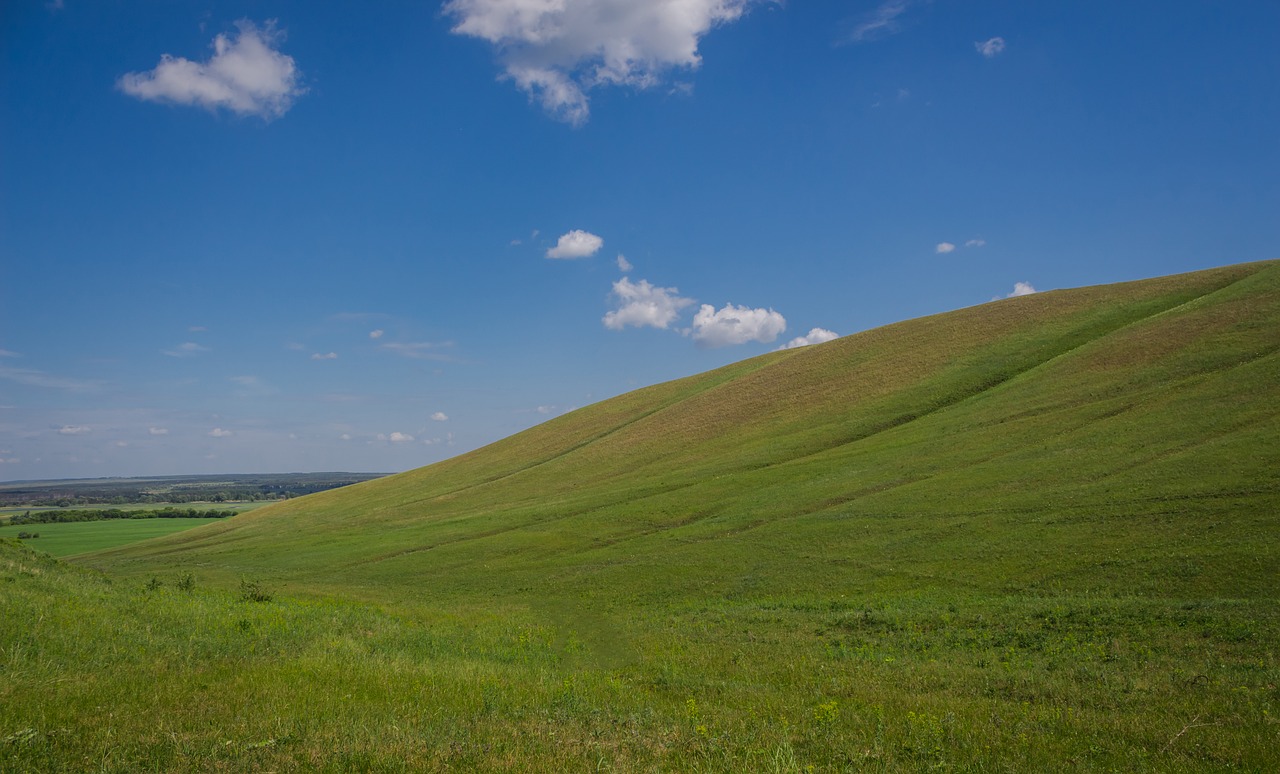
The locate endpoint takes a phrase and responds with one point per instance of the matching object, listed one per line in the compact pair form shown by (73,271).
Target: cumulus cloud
(73,429)
(1021,289)
(735,325)
(624,265)
(990,48)
(881,22)
(814,336)
(644,304)
(218,432)
(246,75)
(158,430)
(944,248)
(376,334)
(576,244)
(975,243)
(188,349)
(396,437)
(325,356)
(439,416)
(557,51)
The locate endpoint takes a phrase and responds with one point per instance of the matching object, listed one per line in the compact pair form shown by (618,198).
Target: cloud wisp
(557,51)
(991,48)
(881,22)
(246,75)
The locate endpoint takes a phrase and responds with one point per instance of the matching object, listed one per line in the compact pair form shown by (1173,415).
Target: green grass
(85,536)
(1035,534)
(238,507)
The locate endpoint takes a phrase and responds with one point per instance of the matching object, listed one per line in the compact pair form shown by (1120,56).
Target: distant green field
(238,507)
(82,537)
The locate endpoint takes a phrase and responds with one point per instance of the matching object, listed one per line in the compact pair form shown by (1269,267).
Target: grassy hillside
(1036,532)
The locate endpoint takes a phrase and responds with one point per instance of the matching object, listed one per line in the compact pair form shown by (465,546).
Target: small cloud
(10,460)
(121,444)
(345,437)
(975,243)
(545,409)
(376,334)
(644,304)
(246,75)
(197,329)
(735,325)
(187,349)
(881,22)
(512,243)
(325,356)
(396,437)
(990,48)
(74,430)
(7,353)
(576,244)
(158,430)
(944,248)
(1021,289)
(439,416)
(814,336)
(624,265)
(218,432)
(33,378)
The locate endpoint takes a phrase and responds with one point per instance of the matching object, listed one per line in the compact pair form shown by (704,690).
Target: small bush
(187,583)
(252,591)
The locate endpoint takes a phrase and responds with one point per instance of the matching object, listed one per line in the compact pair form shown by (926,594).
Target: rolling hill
(1120,421)
(1038,533)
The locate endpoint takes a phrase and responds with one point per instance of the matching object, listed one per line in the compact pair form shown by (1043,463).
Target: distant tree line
(63,516)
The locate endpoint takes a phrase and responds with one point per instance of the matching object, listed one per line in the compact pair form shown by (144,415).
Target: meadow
(1036,534)
(83,537)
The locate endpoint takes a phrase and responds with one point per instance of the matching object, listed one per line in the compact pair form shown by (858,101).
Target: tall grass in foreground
(96,675)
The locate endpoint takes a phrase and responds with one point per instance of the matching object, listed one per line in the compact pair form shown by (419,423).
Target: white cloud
(218,432)
(73,429)
(944,248)
(576,244)
(990,48)
(158,430)
(735,325)
(245,75)
(396,437)
(121,444)
(376,334)
(881,22)
(345,437)
(975,243)
(1021,289)
(11,460)
(814,336)
(197,329)
(644,304)
(439,416)
(188,349)
(7,353)
(558,50)
(624,265)
(325,356)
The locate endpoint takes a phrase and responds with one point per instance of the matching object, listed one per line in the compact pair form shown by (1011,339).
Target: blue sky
(303,236)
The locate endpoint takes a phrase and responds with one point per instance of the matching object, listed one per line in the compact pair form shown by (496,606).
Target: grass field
(85,536)
(238,507)
(1037,534)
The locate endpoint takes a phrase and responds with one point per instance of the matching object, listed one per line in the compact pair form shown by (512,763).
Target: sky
(324,236)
